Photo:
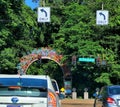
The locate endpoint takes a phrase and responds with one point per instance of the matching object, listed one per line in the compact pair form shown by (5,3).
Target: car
(109,96)
(27,91)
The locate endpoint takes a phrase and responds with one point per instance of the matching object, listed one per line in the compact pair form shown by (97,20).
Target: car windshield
(114,90)
(23,87)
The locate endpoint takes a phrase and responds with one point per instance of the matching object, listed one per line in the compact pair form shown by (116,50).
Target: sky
(32,4)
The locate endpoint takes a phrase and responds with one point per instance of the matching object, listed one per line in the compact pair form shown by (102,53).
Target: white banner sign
(43,14)
(102,17)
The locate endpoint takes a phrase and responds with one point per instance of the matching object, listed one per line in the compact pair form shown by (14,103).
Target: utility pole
(42,3)
(102,6)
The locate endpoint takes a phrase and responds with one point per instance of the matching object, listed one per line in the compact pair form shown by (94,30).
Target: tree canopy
(72,30)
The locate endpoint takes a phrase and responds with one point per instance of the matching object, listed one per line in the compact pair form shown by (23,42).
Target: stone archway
(42,53)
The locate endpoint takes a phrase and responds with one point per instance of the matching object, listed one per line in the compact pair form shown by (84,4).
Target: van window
(26,82)
(23,87)
(23,91)
(55,85)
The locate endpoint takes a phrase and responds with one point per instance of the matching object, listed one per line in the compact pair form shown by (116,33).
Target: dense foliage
(72,30)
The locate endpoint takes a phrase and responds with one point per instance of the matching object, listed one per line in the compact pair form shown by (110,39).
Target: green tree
(72,30)
(17,31)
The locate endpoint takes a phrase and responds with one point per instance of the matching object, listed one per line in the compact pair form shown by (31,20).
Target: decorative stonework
(37,54)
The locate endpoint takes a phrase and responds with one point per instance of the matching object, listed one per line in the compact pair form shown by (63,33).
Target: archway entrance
(46,53)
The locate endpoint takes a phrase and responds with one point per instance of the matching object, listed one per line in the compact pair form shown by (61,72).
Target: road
(77,103)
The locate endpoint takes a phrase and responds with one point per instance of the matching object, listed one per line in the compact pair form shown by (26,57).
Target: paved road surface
(77,103)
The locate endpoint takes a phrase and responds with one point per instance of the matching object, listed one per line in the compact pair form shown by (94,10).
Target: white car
(27,91)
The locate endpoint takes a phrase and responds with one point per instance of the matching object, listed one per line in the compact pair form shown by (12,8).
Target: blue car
(109,96)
